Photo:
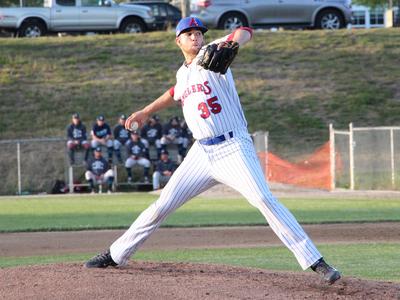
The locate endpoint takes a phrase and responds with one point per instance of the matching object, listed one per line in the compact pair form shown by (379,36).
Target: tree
(374,3)
(5,3)
(387,3)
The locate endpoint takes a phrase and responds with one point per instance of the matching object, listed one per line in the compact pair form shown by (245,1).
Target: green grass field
(371,260)
(119,210)
(291,83)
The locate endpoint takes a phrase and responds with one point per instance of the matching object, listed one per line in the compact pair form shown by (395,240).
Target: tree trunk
(185,8)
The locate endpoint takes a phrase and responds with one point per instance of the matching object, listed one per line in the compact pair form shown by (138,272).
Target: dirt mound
(144,280)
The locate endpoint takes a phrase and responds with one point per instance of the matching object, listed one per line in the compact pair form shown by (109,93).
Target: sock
(71,155)
(87,154)
(118,153)
(146,172)
(110,152)
(91,184)
(110,182)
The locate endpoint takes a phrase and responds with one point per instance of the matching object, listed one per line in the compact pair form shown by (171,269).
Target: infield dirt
(146,280)
(151,280)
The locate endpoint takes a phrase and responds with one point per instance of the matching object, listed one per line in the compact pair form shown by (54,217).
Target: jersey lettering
(152,133)
(77,133)
(212,103)
(207,88)
(124,134)
(205,112)
(196,88)
(98,167)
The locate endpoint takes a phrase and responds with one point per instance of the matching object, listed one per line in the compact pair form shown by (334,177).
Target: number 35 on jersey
(211,105)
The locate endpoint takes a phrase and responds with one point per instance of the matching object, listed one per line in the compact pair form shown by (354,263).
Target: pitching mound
(143,280)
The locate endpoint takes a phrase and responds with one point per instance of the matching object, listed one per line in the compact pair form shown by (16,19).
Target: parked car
(76,16)
(165,14)
(225,14)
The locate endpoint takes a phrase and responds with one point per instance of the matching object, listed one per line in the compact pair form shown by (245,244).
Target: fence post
(332,156)
(266,153)
(71,179)
(19,167)
(115,178)
(392,156)
(351,156)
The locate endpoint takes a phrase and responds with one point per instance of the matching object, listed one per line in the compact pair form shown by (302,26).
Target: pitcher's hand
(136,120)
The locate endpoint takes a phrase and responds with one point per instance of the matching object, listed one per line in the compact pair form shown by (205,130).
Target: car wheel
(329,19)
(132,25)
(232,21)
(32,29)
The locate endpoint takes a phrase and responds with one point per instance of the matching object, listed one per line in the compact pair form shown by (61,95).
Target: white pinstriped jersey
(210,102)
(211,107)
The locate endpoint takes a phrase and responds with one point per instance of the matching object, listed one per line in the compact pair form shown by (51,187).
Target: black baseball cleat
(328,273)
(102,260)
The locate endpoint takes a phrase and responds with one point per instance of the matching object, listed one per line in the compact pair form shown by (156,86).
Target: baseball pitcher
(222,153)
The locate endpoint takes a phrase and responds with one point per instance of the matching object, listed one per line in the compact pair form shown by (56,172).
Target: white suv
(225,14)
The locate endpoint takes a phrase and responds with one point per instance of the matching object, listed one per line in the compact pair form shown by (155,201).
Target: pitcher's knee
(157,213)
(263,201)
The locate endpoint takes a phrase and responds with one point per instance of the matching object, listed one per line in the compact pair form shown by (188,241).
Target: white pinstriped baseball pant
(233,162)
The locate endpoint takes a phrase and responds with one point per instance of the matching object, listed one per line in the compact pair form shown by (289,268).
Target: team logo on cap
(193,22)
(189,23)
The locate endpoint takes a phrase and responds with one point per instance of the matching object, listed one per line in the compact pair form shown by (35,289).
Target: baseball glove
(218,57)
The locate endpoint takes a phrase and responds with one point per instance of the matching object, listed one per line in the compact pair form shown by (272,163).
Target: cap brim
(202,29)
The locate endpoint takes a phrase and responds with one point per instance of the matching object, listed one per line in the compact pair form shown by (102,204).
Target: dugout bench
(120,176)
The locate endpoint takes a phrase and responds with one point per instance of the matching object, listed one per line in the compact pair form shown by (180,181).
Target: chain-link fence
(366,158)
(361,158)
(31,165)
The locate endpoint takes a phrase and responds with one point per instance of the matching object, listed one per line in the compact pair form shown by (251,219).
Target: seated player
(101,136)
(163,171)
(172,134)
(121,137)
(187,137)
(137,156)
(98,172)
(151,134)
(76,138)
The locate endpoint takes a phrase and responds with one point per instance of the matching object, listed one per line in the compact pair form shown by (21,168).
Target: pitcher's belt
(217,139)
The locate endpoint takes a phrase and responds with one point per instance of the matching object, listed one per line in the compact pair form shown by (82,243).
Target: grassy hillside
(292,84)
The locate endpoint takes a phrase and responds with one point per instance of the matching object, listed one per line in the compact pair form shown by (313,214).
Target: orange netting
(313,172)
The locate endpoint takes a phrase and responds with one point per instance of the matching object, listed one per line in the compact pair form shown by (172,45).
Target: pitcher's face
(190,41)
